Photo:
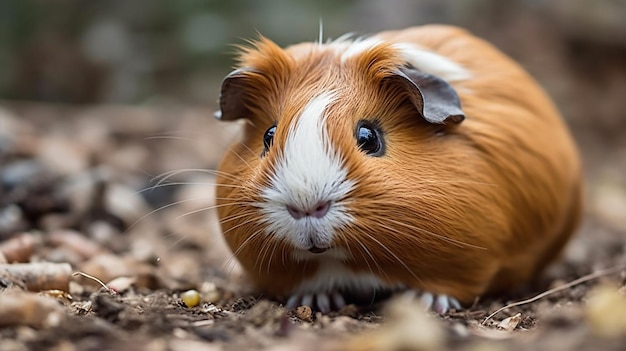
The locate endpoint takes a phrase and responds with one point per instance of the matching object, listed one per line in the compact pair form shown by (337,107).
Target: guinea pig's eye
(268,137)
(369,139)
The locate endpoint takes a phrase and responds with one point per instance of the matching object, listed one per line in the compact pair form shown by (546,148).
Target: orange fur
(479,210)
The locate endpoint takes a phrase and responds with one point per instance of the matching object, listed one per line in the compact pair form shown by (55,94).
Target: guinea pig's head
(351,151)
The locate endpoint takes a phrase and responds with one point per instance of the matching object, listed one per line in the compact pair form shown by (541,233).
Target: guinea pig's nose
(319,210)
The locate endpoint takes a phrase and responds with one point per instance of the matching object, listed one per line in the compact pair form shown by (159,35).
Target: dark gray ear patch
(435,98)
(233,96)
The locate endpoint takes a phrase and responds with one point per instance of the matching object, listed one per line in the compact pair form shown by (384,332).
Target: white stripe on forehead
(309,171)
(309,162)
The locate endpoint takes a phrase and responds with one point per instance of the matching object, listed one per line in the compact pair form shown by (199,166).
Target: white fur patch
(310,171)
(358,47)
(430,62)
(332,275)
(420,58)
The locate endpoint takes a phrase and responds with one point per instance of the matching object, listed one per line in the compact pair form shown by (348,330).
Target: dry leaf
(509,324)
(121,284)
(61,296)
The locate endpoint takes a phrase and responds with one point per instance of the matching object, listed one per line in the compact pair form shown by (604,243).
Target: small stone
(63,156)
(191,298)
(304,313)
(210,292)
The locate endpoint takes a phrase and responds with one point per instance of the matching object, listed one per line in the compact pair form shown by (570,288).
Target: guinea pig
(421,159)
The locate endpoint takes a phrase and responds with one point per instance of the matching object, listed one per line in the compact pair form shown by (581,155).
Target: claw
(440,304)
(455,304)
(307,300)
(323,302)
(427,299)
(326,302)
(293,302)
(338,300)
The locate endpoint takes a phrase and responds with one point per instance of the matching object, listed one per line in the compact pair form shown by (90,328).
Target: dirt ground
(118,193)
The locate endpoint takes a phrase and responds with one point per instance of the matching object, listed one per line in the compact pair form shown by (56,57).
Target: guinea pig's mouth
(317,250)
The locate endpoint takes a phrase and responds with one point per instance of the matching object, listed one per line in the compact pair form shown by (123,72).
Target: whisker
(246,242)
(241,158)
(248,148)
(344,238)
(320,39)
(439,236)
(179,239)
(252,220)
(151,188)
(364,251)
(210,208)
(393,255)
(283,257)
(269,262)
(167,175)
(169,137)
(229,264)
(237,216)
(424,181)
(262,252)
(160,209)
(145,172)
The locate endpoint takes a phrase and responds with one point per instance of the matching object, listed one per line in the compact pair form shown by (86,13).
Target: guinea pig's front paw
(323,302)
(440,304)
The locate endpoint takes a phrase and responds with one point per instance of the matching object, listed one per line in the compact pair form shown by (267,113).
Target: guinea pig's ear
(435,98)
(232,102)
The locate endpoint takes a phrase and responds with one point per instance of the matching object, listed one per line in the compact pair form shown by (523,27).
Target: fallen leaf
(509,324)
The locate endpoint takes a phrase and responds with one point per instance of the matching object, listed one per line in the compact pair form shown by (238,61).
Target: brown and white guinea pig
(420,159)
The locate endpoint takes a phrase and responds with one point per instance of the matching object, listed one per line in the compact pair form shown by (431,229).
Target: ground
(120,195)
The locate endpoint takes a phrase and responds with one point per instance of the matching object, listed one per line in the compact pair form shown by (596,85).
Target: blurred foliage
(130,51)
(147,51)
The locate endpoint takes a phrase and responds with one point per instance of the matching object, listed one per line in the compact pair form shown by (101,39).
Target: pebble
(605,311)
(62,156)
(304,313)
(191,298)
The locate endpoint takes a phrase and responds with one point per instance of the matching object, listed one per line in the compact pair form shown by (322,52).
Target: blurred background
(149,54)
(157,51)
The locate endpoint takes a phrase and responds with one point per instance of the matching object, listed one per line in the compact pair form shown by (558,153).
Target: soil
(120,194)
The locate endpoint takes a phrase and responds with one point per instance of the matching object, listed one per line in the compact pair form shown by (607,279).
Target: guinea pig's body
(359,169)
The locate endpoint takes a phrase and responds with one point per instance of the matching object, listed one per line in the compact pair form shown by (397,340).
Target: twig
(586,278)
(94,279)
(38,276)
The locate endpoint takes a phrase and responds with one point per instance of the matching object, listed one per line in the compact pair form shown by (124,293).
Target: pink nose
(318,211)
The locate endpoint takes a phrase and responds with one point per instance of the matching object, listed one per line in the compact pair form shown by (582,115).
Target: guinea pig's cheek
(303,203)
